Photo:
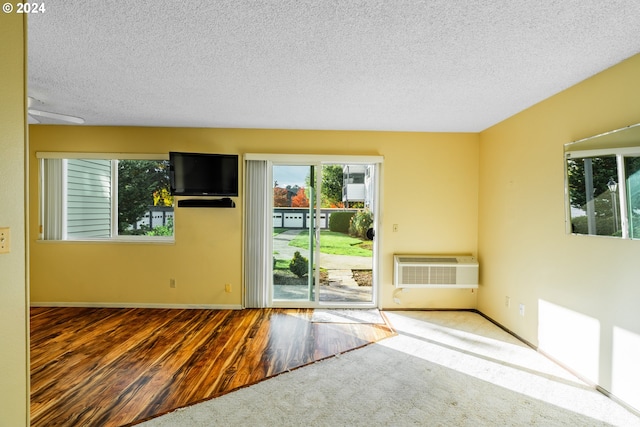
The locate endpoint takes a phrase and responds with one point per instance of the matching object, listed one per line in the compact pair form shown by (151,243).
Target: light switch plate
(5,240)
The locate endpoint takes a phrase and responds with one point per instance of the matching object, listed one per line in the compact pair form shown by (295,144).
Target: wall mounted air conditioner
(435,271)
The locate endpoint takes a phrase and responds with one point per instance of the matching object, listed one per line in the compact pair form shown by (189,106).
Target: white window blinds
(258,254)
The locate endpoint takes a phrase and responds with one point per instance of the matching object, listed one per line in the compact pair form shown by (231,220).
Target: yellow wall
(580,293)
(14,335)
(429,189)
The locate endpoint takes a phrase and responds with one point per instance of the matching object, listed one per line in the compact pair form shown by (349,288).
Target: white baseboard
(138,305)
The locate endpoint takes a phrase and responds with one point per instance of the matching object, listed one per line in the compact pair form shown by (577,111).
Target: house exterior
(358,185)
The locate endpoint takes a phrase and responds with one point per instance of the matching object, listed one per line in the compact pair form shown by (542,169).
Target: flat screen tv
(201,174)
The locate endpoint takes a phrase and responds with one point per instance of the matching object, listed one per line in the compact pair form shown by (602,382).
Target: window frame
(114,237)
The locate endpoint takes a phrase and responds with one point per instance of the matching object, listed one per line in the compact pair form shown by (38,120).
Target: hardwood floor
(114,367)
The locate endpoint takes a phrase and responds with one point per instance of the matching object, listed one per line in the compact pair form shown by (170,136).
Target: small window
(603,184)
(94,198)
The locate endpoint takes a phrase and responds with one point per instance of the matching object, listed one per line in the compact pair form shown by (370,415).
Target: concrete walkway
(281,248)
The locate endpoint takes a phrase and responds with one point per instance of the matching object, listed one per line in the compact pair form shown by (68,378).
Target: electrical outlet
(172,283)
(507,302)
(227,288)
(395,228)
(522,310)
(5,240)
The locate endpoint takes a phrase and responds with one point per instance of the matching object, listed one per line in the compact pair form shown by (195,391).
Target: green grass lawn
(282,264)
(335,243)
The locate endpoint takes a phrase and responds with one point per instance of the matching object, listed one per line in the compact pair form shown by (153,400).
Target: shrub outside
(299,265)
(360,223)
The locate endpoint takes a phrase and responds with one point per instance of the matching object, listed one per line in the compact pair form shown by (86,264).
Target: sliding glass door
(346,251)
(322,222)
(294,232)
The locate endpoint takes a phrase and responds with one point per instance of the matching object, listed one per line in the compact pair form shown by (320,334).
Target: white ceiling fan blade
(56,116)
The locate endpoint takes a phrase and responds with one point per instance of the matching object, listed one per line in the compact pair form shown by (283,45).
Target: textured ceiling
(408,65)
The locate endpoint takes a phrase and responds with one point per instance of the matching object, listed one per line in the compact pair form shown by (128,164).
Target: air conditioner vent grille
(428,275)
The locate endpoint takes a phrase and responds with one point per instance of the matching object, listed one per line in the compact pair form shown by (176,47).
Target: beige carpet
(443,369)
